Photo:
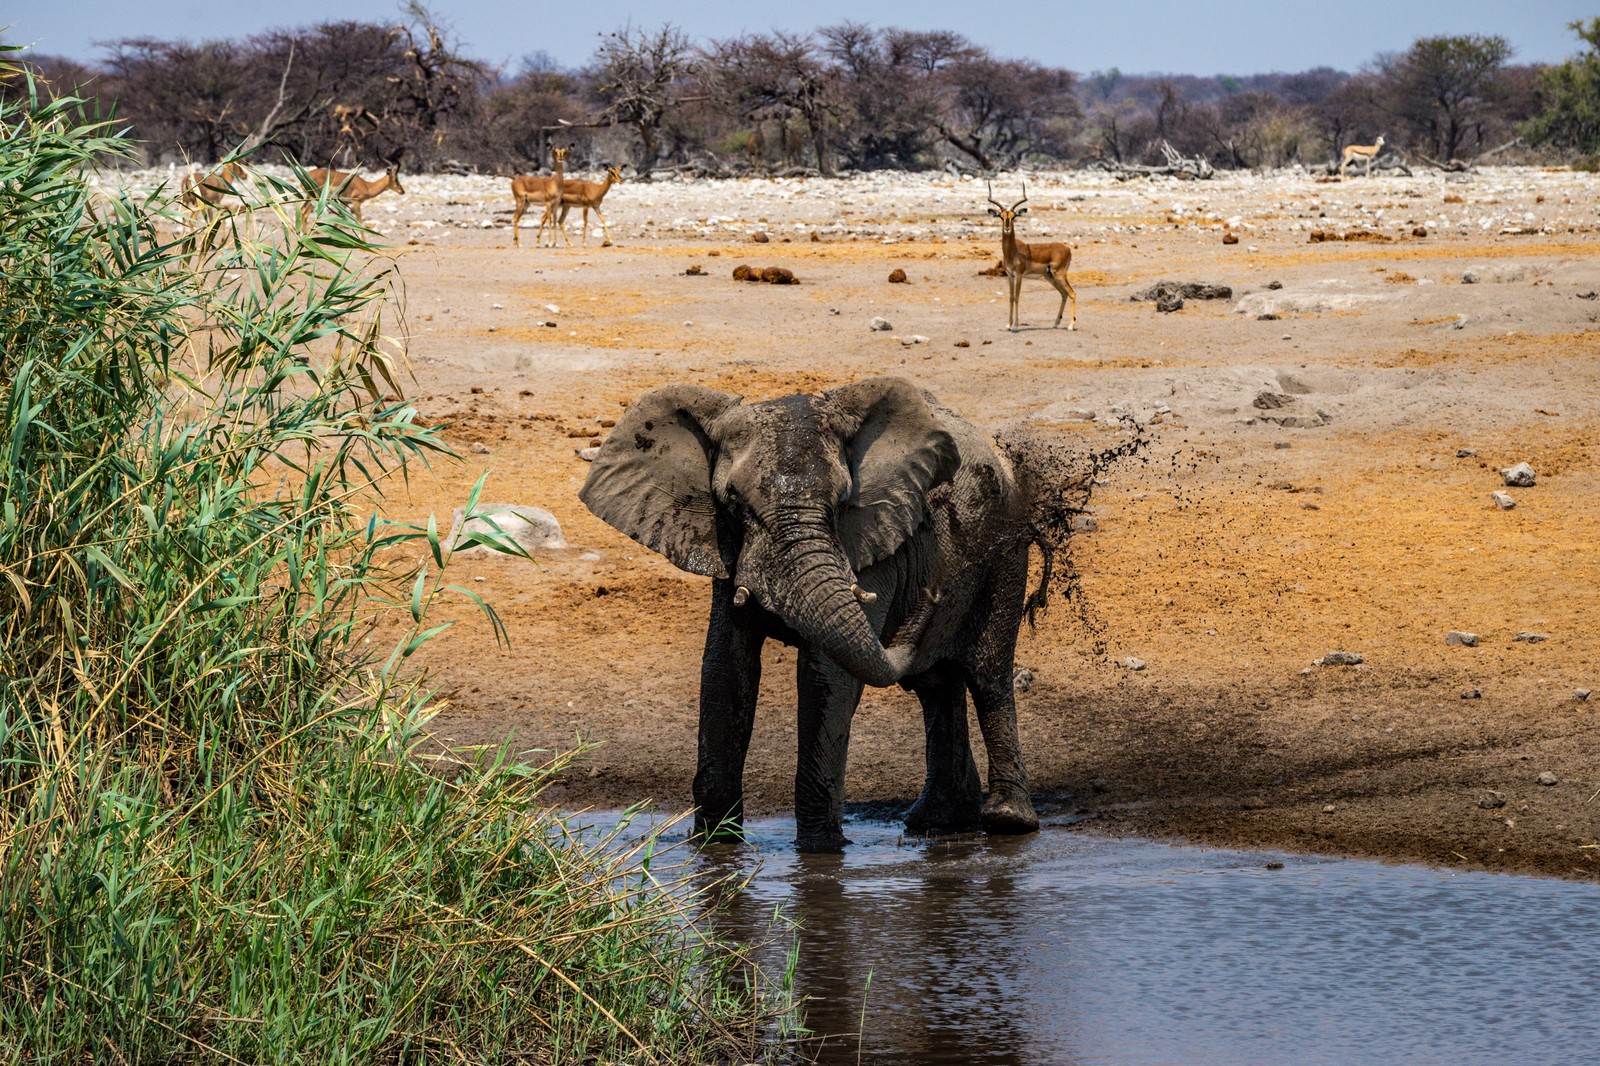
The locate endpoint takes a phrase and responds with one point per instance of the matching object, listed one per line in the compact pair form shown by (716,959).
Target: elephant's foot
(1010,812)
(719,828)
(933,815)
(829,840)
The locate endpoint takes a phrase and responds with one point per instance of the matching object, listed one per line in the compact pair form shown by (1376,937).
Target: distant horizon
(1248,37)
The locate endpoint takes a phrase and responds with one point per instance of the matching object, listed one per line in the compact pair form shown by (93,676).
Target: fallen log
(1176,166)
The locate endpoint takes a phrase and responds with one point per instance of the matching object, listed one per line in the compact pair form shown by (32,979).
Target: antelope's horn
(1024,199)
(992,200)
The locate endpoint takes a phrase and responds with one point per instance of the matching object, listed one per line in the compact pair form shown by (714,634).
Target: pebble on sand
(1519,476)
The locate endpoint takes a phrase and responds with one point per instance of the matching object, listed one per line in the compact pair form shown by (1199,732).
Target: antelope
(1022,260)
(537,189)
(201,195)
(587,195)
(350,189)
(1360,151)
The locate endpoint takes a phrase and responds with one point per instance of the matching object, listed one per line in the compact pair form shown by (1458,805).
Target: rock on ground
(528,527)
(1519,476)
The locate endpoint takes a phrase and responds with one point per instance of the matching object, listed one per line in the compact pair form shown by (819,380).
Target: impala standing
(587,195)
(1022,260)
(1360,151)
(537,189)
(351,189)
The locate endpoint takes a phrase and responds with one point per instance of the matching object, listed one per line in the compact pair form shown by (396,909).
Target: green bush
(219,839)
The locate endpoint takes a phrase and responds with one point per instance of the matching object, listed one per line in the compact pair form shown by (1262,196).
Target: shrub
(219,839)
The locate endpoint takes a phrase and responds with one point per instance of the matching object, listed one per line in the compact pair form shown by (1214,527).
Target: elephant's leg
(952,795)
(730,675)
(1008,808)
(828,698)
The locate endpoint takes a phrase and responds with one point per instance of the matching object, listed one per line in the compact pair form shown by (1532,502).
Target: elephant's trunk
(814,592)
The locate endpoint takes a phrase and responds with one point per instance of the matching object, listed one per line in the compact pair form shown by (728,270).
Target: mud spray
(1058,477)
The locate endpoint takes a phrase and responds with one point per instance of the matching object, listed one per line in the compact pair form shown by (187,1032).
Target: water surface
(1071,948)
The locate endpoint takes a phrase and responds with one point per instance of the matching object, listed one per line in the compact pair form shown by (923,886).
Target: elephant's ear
(898,454)
(652,478)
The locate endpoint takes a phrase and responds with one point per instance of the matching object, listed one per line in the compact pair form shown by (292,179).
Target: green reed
(220,838)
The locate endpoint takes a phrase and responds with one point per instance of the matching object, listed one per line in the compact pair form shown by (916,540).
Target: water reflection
(1065,947)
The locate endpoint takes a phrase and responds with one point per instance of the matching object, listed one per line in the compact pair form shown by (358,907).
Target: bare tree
(188,97)
(776,75)
(1002,109)
(433,83)
(887,90)
(641,75)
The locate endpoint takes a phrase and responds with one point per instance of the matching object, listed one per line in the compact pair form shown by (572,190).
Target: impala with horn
(1022,260)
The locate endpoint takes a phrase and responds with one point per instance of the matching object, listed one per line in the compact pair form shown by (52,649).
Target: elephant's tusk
(863,595)
(741,596)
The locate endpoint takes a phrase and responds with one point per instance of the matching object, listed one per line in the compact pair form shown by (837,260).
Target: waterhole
(1066,947)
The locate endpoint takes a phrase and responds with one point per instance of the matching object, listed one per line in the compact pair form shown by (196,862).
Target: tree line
(844,97)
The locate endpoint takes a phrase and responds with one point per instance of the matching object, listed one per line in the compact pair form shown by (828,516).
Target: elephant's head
(789,498)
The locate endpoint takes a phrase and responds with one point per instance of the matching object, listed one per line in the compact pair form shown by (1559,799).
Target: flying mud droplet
(1057,477)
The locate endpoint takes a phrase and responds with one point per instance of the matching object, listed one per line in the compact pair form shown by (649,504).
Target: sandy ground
(1230,561)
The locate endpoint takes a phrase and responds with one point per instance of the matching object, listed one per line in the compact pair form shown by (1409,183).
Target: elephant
(877,532)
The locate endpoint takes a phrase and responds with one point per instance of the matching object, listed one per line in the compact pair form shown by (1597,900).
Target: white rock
(1285,301)
(528,527)
(1519,476)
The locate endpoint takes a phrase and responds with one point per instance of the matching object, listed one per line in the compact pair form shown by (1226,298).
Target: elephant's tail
(1038,600)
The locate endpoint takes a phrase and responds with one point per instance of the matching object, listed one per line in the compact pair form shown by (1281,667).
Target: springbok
(1022,260)
(1369,152)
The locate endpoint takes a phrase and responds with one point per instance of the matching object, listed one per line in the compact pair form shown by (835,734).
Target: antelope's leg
(1064,287)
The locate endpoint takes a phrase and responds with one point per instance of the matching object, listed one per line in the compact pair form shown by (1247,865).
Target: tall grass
(219,841)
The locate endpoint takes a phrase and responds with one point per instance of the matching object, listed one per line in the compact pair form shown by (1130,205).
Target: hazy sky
(1169,36)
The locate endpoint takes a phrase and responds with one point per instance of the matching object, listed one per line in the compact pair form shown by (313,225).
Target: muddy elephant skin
(875,531)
